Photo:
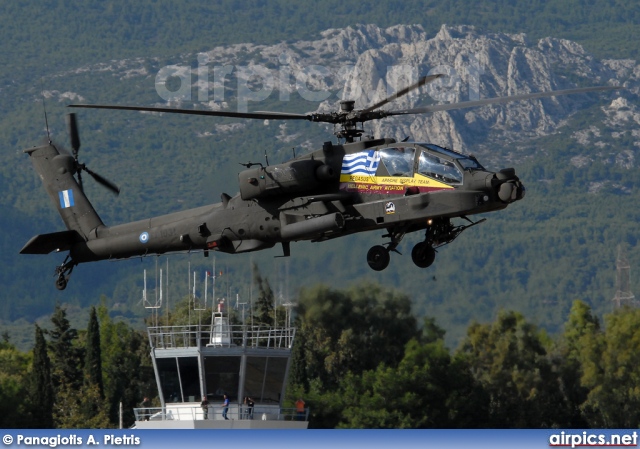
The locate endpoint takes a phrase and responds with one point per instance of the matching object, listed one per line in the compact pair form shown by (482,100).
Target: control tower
(237,360)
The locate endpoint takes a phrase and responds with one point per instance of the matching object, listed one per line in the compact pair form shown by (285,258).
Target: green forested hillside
(557,245)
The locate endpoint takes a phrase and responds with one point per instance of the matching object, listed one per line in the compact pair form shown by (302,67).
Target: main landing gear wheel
(423,255)
(378,258)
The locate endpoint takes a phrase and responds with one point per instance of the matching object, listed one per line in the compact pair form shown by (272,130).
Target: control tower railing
(196,413)
(197,336)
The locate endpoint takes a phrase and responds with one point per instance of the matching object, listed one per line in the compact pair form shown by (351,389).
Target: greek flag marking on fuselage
(363,163)
(66,199)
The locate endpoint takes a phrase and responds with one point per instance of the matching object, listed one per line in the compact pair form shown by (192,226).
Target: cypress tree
(42,389)
(66,360)
(93,354)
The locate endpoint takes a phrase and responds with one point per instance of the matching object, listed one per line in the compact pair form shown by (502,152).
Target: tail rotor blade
(74,136)
(103,181)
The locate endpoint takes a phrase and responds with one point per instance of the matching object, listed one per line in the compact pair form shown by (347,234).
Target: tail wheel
(423,255)
(63,272)
(61,282)
(378,258)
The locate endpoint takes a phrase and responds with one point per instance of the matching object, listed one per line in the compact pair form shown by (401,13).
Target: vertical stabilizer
(56,169)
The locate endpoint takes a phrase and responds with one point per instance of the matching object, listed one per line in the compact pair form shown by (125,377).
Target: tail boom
(56,169)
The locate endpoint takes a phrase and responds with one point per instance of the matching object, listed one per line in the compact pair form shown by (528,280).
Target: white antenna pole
(213,287)
(160,302)
(155,312)
(144,290)
(194,294)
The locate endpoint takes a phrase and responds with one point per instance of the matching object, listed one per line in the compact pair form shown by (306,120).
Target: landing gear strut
(63,272)
(439,232)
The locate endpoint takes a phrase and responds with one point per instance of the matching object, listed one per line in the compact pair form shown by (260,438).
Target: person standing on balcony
(250,405)
(225,406)
(205,407)
(300,409)
(146,403)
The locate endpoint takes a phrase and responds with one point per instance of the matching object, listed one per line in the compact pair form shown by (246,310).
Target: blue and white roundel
(144,237)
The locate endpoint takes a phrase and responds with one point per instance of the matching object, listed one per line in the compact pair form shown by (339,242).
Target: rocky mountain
(366,63)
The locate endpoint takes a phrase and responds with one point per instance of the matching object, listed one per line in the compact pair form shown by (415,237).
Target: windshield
(439,168)
(398,161)
(465,161)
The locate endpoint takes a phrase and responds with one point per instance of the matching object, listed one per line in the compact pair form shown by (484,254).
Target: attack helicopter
(362,184)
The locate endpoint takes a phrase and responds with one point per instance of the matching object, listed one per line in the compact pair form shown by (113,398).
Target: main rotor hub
(347,105)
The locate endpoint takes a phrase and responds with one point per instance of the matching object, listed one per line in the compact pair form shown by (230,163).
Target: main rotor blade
(102,180)
(80,180)
(74,136)
(497,100)
(421,82)
(266,115)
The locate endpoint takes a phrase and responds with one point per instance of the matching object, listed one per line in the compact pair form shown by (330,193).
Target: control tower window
(189,378)
(169,380)
(179,379)
(265,378)
(222,377)
(398,161)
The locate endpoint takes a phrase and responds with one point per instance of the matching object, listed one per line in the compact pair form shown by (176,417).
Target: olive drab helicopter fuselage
(340,189)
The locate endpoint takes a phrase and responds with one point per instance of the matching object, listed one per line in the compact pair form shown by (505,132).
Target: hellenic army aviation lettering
(354,186)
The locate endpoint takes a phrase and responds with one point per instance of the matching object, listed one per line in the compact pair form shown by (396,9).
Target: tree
(350,331)
(14,382)
(344,333)
(128,374)
(612,373)
(576,358)
(298,374)
(92,411)
(93,355)
(265,304)
(509,361)
(66,356)
(80,409)
(66,373)
(426,390)
(42,394)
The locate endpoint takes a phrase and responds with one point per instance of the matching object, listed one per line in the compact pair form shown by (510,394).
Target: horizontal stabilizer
(56,241)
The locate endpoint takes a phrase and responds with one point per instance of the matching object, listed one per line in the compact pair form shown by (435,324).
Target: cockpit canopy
(427,160)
